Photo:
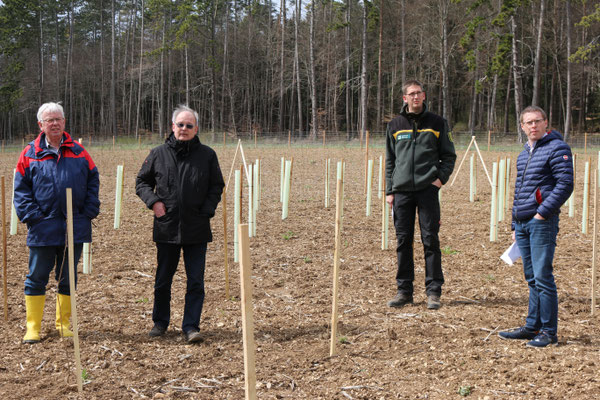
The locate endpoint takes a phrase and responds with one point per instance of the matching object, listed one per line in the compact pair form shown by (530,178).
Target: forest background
(119,67)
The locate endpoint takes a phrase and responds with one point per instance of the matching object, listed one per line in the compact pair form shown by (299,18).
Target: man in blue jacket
(48,166)
(544,182)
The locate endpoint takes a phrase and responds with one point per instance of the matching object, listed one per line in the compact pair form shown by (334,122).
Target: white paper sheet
(511,254)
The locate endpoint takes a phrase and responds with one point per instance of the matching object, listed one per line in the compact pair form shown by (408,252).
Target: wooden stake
(255,138)
(72,289)
(482,162)
(323,138)
(336,267)
(463,160)
(289,139)
(113,143)
(489,139)
(225,258)
(224,139)
(247,313)
(4,258)
(585,144)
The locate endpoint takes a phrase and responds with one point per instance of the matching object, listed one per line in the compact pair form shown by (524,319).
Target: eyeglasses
(53,120)
(180,125)
(534,122)
(414,94)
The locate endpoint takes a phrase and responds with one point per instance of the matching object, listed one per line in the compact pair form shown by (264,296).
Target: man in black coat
(181,182)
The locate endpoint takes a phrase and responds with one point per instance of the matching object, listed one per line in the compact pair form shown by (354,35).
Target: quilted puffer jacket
(544,178)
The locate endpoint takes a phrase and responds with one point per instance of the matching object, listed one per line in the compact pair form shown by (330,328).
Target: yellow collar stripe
(436,133)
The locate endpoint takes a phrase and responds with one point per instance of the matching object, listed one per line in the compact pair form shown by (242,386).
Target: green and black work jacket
(419,150)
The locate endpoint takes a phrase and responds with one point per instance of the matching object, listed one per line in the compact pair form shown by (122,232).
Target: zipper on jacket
(414,123)
(524,172)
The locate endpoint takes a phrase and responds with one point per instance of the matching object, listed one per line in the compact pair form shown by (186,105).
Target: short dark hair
(531,109)
(411,82)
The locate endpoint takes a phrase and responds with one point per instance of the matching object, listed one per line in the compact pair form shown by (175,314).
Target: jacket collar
(41,149)
(408,114)
(549,136)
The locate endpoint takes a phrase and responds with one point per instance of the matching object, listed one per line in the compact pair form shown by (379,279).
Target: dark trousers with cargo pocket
(406,205)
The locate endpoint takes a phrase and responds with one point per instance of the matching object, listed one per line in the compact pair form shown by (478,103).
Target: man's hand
(437,183)
(390,199)
(538,216)
(513,236)
(159,209)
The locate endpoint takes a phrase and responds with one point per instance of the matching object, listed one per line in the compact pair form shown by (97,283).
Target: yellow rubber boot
(63,313)
(34,306)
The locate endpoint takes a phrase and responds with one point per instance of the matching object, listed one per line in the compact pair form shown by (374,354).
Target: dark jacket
(544,178)
(419,150)
(40,199)
(186,177)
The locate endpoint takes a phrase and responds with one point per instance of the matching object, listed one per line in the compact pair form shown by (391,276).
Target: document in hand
(511,254)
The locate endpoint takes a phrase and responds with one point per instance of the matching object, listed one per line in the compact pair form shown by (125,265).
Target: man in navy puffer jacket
(544,182)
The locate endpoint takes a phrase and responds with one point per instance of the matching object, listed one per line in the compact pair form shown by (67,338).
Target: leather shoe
(433,302)
(156,331)
(192,336)
(400,300)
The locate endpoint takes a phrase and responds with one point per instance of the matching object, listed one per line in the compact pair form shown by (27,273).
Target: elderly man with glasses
(48,166)
(544,182)
(181,182)
(419,160)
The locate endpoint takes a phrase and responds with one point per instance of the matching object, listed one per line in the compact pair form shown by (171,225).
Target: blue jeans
(537,241)
(41,261)
(194,257)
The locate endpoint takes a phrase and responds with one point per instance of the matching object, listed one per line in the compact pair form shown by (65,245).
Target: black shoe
(433,302)
(543,339)
(192,336)
(518,333)
(400,300)
(156,331)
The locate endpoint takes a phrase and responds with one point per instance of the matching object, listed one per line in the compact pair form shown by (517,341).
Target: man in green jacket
(420,158)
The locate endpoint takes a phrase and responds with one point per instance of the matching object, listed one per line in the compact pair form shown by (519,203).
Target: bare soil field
(383,353)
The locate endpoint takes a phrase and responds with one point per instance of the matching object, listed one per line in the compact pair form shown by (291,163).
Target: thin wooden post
(323,138)
(247,313)
(139,141)
(585,144)
(72,289)
(224,139)
(489,139)
(255,140)
(463,160)
(4,258)
(336,267)
(289,139)
(225,252)
(113,143)
(482,162)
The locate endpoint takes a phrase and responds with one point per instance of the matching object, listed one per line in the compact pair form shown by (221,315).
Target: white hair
(181,108)
(49,107)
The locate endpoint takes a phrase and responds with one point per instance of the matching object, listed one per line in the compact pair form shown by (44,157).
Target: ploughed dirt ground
(383,353)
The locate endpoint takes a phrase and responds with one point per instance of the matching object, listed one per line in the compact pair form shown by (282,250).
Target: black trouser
(194,257)
(405,205)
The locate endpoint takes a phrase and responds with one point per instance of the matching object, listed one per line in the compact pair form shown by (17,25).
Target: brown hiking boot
(433,302)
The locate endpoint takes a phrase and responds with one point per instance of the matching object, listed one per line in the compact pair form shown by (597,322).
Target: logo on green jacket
(403,136)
